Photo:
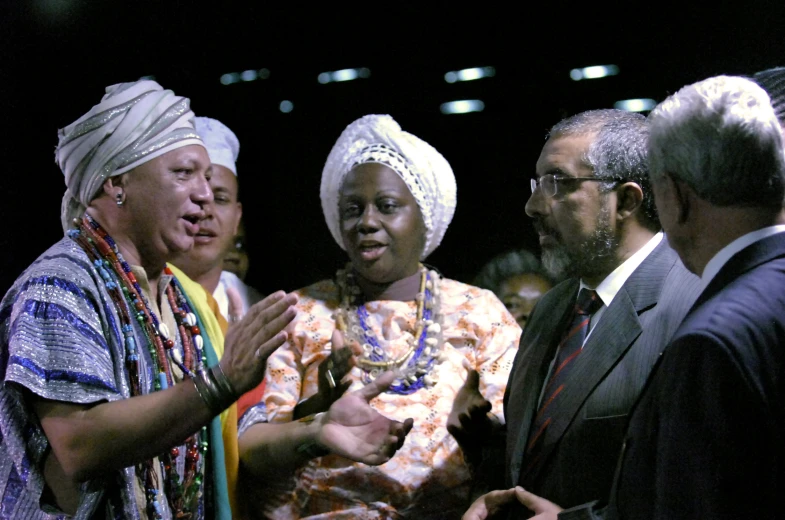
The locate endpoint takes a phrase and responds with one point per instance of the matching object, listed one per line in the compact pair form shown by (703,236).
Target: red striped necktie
(569,349)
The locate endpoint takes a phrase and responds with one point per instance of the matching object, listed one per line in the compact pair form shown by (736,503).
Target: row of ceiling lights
(463,106)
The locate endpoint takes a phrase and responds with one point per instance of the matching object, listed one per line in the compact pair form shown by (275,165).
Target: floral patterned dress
(427,478)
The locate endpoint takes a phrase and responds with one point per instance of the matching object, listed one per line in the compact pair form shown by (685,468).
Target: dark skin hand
(338,364)
(470,422)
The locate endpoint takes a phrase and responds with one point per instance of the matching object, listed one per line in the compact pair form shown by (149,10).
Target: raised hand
(353,429)
(236,309)
(330,378)
(469,420)
(250,341)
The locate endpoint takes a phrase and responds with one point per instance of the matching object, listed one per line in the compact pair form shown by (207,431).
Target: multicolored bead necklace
(424,351)
(127,295)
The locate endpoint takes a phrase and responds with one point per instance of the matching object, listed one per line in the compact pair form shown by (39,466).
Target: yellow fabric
(215,326)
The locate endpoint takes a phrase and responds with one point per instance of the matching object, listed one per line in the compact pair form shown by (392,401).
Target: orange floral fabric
(428,477)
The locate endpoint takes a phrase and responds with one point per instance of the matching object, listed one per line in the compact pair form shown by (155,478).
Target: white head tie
(134,123)
(427,174)
(221,143)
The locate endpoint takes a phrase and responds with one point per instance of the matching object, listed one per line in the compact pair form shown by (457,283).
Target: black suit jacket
(707,439)
(582,444)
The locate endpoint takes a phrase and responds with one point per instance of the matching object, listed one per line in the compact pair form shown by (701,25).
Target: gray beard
(594,256)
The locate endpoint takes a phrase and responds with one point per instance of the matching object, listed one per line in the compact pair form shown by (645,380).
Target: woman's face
(381,224)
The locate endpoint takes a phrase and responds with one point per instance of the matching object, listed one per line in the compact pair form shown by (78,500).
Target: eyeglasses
(549,183)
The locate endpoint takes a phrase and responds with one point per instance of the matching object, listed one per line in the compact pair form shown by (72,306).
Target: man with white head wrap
(388,198)
(204,263)
(98,339)
(226,296)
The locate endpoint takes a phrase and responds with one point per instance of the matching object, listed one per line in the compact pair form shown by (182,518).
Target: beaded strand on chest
(126,294)
(415,367)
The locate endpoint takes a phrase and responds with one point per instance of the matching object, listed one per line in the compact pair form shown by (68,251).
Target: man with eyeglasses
(579,369)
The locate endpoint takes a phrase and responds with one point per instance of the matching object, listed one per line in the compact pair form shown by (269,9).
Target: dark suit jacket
(706,440)
(582,444)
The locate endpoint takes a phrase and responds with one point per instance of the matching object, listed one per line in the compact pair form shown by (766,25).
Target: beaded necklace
(127,295)
(414,366)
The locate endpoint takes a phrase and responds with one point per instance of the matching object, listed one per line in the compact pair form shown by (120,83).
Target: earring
(120,200)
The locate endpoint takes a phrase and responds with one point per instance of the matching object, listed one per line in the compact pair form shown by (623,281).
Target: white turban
(221,143)
(134,123)
(379,139)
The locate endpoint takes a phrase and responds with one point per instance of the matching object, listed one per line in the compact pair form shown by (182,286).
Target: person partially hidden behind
(518,279)
(238,259)
(204,263)
(388,198)
(591,341)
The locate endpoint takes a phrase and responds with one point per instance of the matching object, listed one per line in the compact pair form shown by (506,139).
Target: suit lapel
(614,334)
(537,348)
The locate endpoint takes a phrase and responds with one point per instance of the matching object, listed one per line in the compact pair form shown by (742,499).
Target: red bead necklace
(127,295)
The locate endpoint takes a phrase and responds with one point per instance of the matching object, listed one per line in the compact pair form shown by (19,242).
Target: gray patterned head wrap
(427,174)
(134,123)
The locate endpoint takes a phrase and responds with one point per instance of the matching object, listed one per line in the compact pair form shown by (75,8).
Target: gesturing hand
(492,503)
(354,430)
(330,378)
(235,308)
(469,421)
(250,341)
(543,509)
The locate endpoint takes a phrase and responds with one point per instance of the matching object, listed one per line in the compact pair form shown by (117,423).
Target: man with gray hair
(580,369)
(705,440)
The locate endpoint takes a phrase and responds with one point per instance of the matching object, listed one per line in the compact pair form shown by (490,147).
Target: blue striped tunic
(61,338)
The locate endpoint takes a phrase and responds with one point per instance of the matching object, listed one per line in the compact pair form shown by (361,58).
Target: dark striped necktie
(569,348)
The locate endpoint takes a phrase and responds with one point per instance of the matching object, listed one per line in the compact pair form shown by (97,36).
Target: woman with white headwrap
(110,388)
(388,198)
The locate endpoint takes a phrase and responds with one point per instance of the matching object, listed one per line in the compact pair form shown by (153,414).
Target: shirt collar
(610,286)
(727,252)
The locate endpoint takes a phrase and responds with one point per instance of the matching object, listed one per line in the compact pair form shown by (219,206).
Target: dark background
(58,55)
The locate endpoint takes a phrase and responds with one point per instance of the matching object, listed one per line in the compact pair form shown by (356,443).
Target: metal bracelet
(223,383)
(208,394)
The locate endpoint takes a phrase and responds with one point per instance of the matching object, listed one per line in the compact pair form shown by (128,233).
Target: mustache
(542,228)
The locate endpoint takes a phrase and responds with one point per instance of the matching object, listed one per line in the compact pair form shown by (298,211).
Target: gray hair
(773,82)
(721,137)
(619,151)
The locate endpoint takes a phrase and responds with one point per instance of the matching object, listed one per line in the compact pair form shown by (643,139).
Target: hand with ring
(332,372)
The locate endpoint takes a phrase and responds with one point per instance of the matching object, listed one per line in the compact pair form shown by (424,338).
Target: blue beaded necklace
(424,352)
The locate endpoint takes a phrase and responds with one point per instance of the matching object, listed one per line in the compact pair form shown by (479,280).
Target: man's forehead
(565,154)
(223,180)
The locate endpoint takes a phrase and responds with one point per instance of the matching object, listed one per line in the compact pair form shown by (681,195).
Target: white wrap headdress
(222,145)
(379,139)
(134,123)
